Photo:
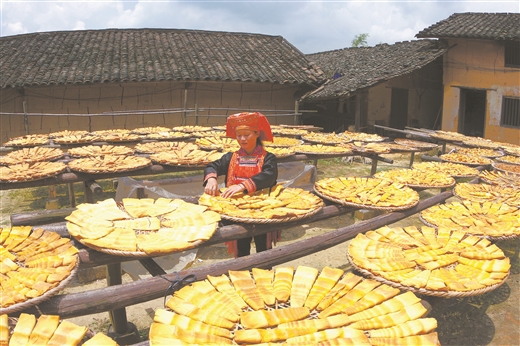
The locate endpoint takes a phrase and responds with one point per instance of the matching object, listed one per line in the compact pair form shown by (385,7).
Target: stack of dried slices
(217,143)
(100,150)
(186,157)
(142,227)
(109,164)
(321,149)
(446,262)
(34,265)
(296,307)
(48,330)
(456,170)
(368,193)
(418,178)
(488,219)
(31,155)
(28,141)
(30,171)
(277,204)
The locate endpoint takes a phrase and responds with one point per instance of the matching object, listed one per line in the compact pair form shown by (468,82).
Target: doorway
(399,108)
(472,115)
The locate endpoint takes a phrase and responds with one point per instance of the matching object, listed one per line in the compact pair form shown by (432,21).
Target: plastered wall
(479,64)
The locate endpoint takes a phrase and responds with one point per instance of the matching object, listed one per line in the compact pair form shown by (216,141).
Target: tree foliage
(360,40)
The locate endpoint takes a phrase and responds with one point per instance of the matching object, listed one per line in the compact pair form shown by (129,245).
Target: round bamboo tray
(273,220)
(423,291)
(136,254)
(506,168)
(37,300)
(365,206)
(34,169)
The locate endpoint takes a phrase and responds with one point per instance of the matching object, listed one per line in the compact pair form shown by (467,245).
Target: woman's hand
(230,191)
(211,187)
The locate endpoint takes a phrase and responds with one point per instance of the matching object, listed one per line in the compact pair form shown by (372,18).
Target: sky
(310,26)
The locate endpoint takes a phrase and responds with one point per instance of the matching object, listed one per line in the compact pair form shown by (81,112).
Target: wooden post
(412,157)
(89,196)
(72,197)
(25,117)
(185,102)
(296,111)
(196,114)
(117,316)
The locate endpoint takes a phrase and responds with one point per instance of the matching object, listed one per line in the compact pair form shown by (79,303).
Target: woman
(247,170)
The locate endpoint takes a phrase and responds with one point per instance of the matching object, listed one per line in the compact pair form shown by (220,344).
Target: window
(510,112)
(512,53)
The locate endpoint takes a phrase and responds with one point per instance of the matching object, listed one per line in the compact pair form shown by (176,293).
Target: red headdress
(249,120)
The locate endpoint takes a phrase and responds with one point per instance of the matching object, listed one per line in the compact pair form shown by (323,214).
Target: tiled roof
(129,55)
(364,67)
(492,26)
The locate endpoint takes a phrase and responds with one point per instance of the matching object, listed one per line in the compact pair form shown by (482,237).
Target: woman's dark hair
(259,141)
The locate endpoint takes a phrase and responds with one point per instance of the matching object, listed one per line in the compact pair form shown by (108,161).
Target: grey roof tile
(130,55)
(492,26)
(364,67)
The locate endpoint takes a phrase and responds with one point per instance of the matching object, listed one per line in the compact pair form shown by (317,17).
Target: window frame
(510,104)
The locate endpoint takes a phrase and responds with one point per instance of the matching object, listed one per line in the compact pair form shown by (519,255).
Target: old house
(394,85)
(129,78)
(481,74)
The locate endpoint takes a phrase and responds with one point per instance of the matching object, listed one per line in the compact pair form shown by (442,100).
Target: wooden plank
(96,301)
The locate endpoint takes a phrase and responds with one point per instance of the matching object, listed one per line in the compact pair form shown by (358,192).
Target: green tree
(360,40)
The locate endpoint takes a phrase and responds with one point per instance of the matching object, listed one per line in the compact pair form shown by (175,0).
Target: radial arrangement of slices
(488,193)
(157,147)
(281,152)
(28,141)
(512,150)
(30,155)
(142,226)
(485,152)
(488,219)
(371,147)
(449,136)
(121,137)
(288,131)
(453,169)
(150,129)
(478,142)
(47,330)
(418,178)
(211,133)
(500,178)
(515,160)
(192,128)
(325,138)
(321,149)
(30,171)
(100,150)
(33,263)
(293,307)
(77,139)
(506,167)
(363,137)
(368,193)
(465,159)
(170,135)
(415,144)
(218,143)
(283,142)
(277,204)
(66,133)
(439,262)
(186,157)
(395,147)
(109,164)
